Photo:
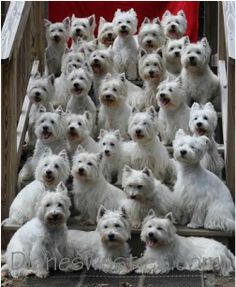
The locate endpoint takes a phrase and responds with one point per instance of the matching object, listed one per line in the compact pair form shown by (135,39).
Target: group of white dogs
(91,81)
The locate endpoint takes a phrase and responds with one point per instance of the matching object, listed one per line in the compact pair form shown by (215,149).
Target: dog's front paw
(42,274)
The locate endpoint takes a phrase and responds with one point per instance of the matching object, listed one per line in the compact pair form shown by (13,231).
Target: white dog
(174,25)
(203,121)
(151,35)
(106,34)
(114,111)
(57,35)
(125,47)
(199,81)
(174,112)
(165,250)
(146,148)
(111,146)
(79,129)
(50,170)
(143,193)
(203,198)
(82,28)
(173,51)
(41,242)
(90,187)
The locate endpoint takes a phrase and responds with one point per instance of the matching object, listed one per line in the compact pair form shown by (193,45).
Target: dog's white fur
(106,34)
(90,187)
(42,238)
(166,250)
(143,193)
(174,112)
(57,35)
(203,198)
(114,111)
(125,47)
(151,35)
(174,25)
(203,121)
(200,83)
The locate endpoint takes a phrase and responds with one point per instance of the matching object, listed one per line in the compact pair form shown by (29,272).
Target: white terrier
(50,170)
(79,128)
(173,52)
(114,111)
(152,71)
(70,60)
(41,242)
(90,182)
(143,193)
(85,47)
(57,35)
(125,47)
(174,25)
(203,121)
(50,130)
(151,35)
(106,34)
(111,146)
(40,92)
(173,113)
(203,198)
(166,250)
(146,148)
(82,28)
(79,85)
(199,81)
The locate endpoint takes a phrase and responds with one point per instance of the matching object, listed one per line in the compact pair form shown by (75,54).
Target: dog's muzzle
(152,241)
(55,218)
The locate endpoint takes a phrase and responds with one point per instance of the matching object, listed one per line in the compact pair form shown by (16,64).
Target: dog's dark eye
(45,90)
(46,164)
(114,90)
(139,186)
(84,25)
(128,21)
(117,225)
(180,47)
(144,123)
(52,122)
(153,34)
(177,22)
(60,205)
(79,123)
(170,89)
(42,121)
(155,64)
(205,118)
(78,60)
(102,56)
(147,64)
(119,22)
(198,52)
(172,48)
(159,228)
(188,52)
(105,226)
(47,205)
(112,144)
(149,226)
(81,78)
(89,163)
(60,30)
(103,143)
(56,166)
(192,147)
(79,161)
(195,118)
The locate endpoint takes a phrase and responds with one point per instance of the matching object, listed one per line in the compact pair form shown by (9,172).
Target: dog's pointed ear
(60,111)
(66,23)
(146,20)
(88,69)
(47,23)
(73,17)
(170,216)
(117,134)
(63,154)
(47,151)
(179,81)
(51,79)
(102,21)
(42,109)
(179,134)
(195,106)
(209,106)
(152,112)
(156,21)
(186,40)
(159,52)
(123,213)
(127,168)
(101,211)
(205,44)
(122,77)
(147,171)
(134,111)
(36,75)
(166,14)
(151,213)
(92,21)
(102,133)
(142,52)
(99,156)
(181,13)
(87,115)
(62,188)
(108,76)
(132,12)
(79,149)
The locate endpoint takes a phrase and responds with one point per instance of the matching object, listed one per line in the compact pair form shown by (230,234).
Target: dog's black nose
(76,85)
(172,26)
(150,234)
(132,196)
(191,58)
(123,27)
(96,61)
(49,172)
(177,54)
(77,30)
(81,170)
(149,41)
(108,96)
(151,73)
(72,129)
(56,38)
(37,94)
(138,132)
(109,35)
(199,124)
(162,95)
(45,128)
(55,216)
(107,151)
(183,152)
(111,236)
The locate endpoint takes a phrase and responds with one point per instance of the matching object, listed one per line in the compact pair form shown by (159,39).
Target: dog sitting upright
(151,35)
(57,35)
(203,199)
(106,34)
(125,47)
(203,121)
(174,25)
